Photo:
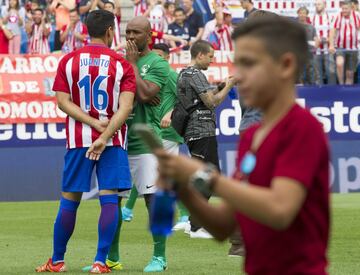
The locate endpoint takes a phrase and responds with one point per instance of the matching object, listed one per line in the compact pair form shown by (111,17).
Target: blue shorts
(112,170)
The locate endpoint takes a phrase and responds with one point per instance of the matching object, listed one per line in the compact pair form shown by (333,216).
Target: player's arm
(213,98)
(172,38)
(66,105)
(204,212)
(275,207)
(126,101)
(146,90)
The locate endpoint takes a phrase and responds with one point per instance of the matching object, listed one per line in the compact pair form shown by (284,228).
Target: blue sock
(64,227)
(108,222)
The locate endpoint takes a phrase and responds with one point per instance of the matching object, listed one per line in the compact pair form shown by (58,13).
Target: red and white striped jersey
(157,20)
(38,42)
(71,43)
(224,36)
(322,24)
(140,8)
(94,76)
(347,31)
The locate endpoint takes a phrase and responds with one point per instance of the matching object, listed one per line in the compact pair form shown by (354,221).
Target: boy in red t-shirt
(279,194)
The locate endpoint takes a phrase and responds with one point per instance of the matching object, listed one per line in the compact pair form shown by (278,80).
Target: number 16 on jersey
(100,98)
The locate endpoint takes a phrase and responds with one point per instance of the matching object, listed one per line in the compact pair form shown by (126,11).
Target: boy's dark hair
(38,9)
(179,9)
(280,35)
(74,10)
(111,3)
(162,47)
(98,22)
(261,13)
(168,4)
(200,46)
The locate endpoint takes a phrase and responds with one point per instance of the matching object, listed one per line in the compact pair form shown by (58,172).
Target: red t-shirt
(295,148)
(4,43)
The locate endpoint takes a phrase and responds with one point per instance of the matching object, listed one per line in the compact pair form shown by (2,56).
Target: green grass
(26,241)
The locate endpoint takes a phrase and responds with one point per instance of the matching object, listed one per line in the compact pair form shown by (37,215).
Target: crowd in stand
(28,27)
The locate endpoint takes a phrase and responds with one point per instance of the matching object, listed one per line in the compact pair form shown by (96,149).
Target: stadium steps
(127,13)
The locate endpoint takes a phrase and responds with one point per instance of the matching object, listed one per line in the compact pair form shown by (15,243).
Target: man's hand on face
(132,52)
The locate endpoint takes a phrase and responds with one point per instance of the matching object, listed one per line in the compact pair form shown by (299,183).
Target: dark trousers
(204,149)
(57,42)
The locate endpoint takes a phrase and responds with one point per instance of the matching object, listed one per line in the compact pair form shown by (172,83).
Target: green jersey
(168,101)
(155,69)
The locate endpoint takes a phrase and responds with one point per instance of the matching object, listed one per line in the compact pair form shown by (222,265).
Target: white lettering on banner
(33,109)
(24,87)
(349,181)
(225,116)
(6,132)
(5,110)
(340,118)
(38,133)
(31,65)
(21,132)
(54,133)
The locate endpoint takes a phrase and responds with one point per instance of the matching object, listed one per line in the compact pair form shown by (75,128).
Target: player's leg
(340,64)
(351,61)
(76,179)
(205,150)
(158,262)
(144,175)
(113,260)
(127,210)
(173,147)
(113,175)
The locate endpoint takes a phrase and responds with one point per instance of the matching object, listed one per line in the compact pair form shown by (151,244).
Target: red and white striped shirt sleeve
(128,81)
(61,84)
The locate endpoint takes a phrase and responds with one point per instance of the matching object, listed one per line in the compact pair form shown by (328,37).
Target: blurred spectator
(355,5)
(311,75)
(5,36)
(73,36)
(115,9)
(156,16)
(86,6)
(344,38)
(169,12)
(14,18)
(61,8)
(324,61)
(140,7)
(248,6)
(218,31)
(30,7)
(179,28)
(194,20)
(38,32)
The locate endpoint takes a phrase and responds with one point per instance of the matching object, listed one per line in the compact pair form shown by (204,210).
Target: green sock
(159,246)
(182,209)
(114,252)
(132,198)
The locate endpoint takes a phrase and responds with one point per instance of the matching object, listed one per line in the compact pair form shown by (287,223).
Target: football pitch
(26,241)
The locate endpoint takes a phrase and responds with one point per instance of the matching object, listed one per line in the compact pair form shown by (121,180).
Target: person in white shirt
(324,61)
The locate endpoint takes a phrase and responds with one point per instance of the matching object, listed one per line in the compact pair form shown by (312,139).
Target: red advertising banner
(26,82)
